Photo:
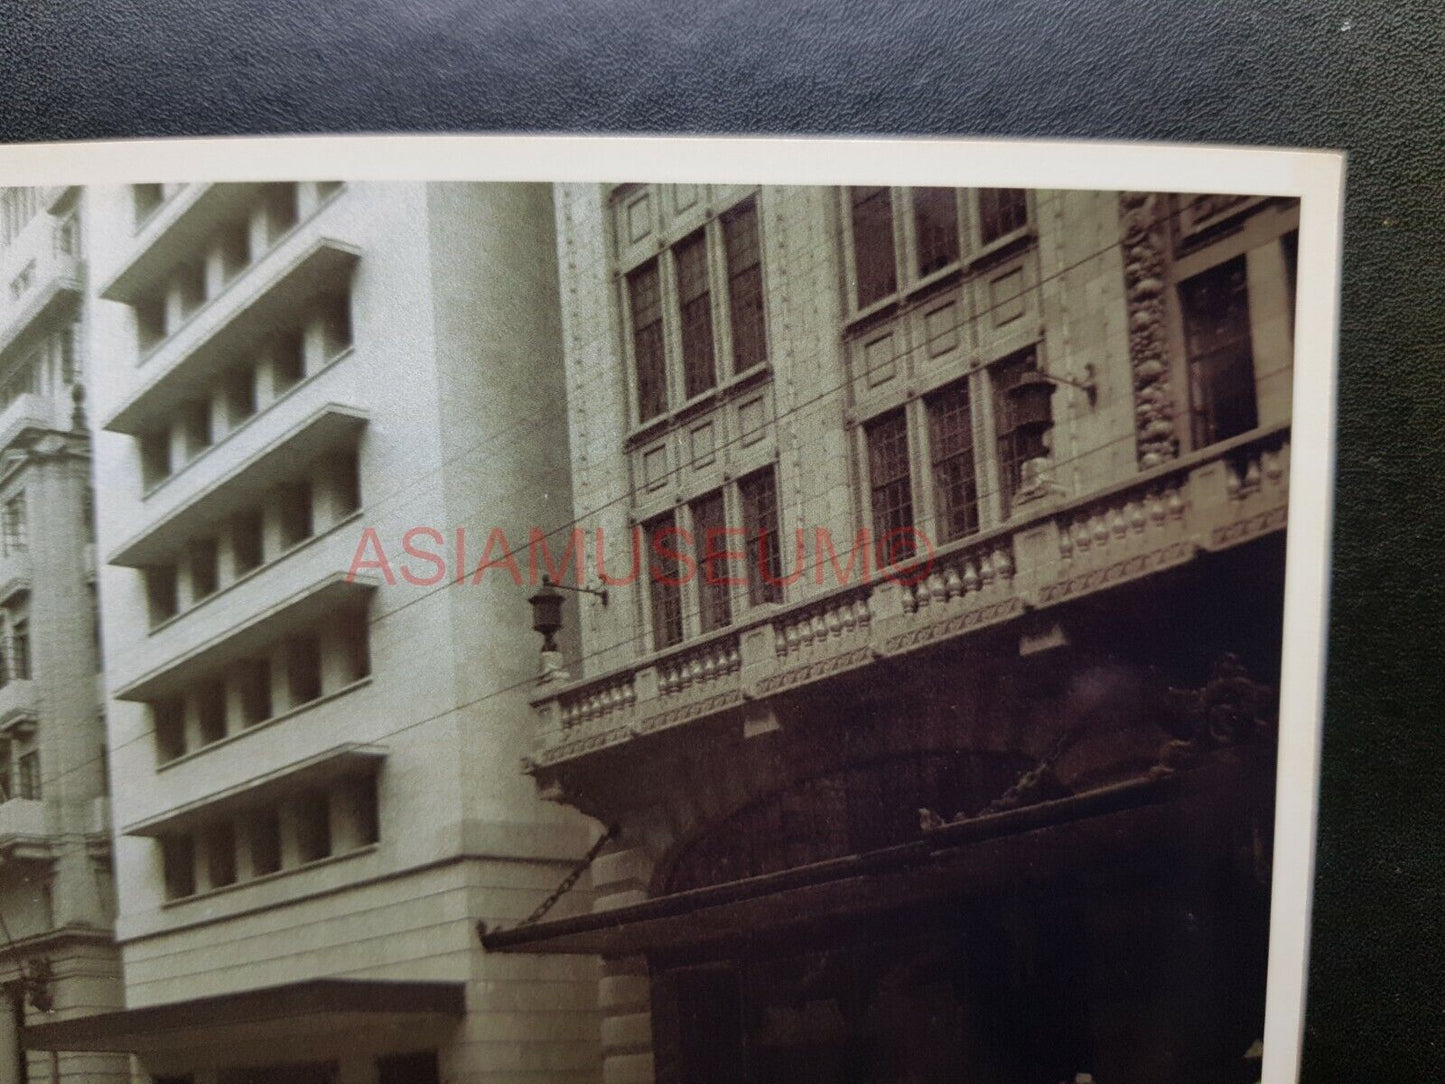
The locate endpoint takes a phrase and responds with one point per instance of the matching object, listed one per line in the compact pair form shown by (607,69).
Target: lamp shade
(547,613)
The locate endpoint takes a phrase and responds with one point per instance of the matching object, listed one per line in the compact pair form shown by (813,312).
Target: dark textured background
(1365,77)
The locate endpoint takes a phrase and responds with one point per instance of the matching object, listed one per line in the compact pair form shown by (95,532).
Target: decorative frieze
(1154,423)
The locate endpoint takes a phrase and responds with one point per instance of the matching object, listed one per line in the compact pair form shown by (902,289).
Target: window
(346,477)
(1001,211)
(191,285)
(28,768)
(281,210)
(294,501)
(665,581)
(161,594)
(356,647)
(335,324)
(67,235)
(210,701)
(289,362)
(168,718)
(147,199)
(253,684)
(758,494)
(234,242)
(155,457)
(891,487)
(220,849)
(196,424)
(18,206)
(20,649)
(935,223)
(645,295)
(709,521)
(695,300)
(13,524)
(745,286)
(313,826)
(178,857)
(205,560)
(358,799)
(1014,447)
(150,323)
(874,270)
(955,483)
(239,389)
(303,669)
(1221,360)
(263,832)
(247,530)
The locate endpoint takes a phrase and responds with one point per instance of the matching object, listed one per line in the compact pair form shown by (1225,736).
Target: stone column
(625,997)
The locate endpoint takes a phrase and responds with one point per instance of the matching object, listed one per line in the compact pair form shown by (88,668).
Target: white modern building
(314,768)
(57,902)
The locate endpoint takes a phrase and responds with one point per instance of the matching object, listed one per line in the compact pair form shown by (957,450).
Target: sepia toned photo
(464,619)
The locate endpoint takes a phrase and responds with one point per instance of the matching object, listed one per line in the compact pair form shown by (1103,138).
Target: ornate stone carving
(1154,423)
(1231,709)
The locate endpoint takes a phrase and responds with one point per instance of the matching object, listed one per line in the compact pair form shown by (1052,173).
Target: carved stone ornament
(1154,424)
(1231,710)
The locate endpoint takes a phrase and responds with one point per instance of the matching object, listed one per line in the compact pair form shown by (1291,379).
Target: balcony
(29,413)
(1213,500)
(19,703)
(178,229)
(22,830)
(47,282)
(270,293)
(189,511)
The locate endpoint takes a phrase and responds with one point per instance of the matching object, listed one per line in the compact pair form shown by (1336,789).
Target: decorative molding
(1154,425)
(958,623)
(802,675)
(1175,553)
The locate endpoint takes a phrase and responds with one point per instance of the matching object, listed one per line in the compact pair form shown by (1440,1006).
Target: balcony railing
(1214,499)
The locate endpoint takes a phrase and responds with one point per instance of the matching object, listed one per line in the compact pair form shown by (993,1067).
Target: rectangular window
(27,767)
(288,359)
(239,388)
(191,285)
(263,832)
(1001,211)
(253,683)
(358,796)
(644,290)
(695,299)
(20,650)
(313,825)
(282,211)
(220,844)
(1221,358)
(155,457)
(709,519)
(168,718)
(161,594)
(745,287)
(234,242)
(1015,448)
(178,856)
(935,221)
(205,568)
(294,501)
(247,533)
(335,324)
(356,646)
(210,700)
(14,525)
(346,478)
(955,483)
(196,422)
(874,262)
(665,580)
(758,494)
(303,669)
(891,487)
(67,235)
(147,199)
(7,769)
(150,323)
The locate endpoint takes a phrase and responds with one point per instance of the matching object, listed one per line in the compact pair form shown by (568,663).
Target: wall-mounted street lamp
(547,608)
(1029,407)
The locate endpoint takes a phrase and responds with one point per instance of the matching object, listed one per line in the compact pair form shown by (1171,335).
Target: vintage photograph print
(830,612)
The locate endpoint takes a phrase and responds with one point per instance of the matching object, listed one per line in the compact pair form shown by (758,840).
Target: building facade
(930,707)
(57,901)
(304,739)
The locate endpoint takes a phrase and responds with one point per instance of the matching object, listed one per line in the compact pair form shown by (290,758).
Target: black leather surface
(1366,77)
